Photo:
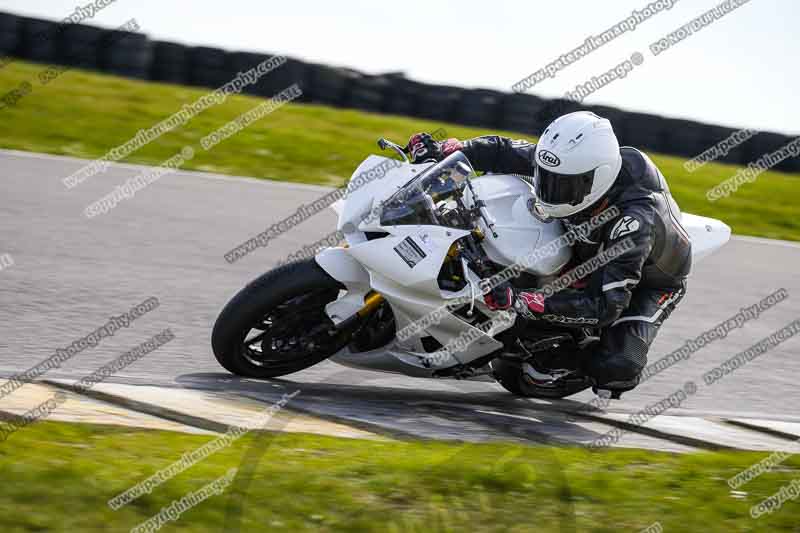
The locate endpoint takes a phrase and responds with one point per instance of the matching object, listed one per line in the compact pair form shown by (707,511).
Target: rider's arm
(493,153)
(609,293)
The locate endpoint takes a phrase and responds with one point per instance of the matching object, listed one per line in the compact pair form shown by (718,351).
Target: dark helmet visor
(555,189)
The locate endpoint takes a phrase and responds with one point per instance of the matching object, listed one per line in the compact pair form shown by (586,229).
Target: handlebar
(383,144)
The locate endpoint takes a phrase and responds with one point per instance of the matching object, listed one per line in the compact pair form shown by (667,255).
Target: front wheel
(277,324)
(511,376)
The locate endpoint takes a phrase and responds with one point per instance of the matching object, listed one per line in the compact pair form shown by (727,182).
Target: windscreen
(432,197)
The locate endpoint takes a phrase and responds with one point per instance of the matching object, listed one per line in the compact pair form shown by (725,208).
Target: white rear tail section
(707,234)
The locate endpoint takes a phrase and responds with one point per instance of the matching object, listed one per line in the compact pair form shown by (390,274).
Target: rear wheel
(277,324)
(512,377)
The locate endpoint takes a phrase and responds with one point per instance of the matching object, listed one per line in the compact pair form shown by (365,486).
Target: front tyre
(277,324)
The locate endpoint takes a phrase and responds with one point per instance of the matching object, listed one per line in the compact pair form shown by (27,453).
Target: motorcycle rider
(579,170)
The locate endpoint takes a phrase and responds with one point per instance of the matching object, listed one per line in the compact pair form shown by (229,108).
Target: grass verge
(59,477)
(86,114)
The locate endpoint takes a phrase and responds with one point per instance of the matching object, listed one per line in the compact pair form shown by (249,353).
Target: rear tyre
(510,375)
(277,324)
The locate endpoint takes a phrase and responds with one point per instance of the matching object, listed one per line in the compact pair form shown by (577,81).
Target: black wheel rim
(295,330)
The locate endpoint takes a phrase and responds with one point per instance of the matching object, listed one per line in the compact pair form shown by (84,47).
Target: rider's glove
(530,304)
(423,147)
(451,145)
(500,297)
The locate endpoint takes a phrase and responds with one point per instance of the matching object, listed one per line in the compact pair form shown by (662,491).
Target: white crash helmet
(577,162)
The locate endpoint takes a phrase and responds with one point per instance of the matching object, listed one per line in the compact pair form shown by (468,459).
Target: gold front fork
(371,302)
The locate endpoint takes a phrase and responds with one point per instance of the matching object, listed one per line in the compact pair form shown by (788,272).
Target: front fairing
(359,208)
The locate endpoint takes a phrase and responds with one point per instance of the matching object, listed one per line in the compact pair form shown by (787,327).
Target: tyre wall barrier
(330,85)
(367,93)
(134,55)
(209,67)
(481,108)
(438,102)
(126,54)
(169,63)
(404,97)
(78,45)
(521,112)
(37,40)
(9,34)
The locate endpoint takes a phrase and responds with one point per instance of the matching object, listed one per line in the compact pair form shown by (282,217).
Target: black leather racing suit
(632,295)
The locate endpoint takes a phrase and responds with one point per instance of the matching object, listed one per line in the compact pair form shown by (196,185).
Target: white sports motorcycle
(403,294)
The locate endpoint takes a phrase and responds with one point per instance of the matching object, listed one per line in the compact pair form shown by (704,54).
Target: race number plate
(410,252)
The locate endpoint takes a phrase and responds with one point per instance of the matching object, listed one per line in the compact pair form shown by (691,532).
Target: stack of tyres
(685,137)
(520,113)
(715,134)
(403,97)
(439,102)
(126,54)
(368,93)
(79,46)
(209,67)
(170,62)
(765,143)
(330,85)
(244,61)
(9,35)
(38,40)
(480,107)
(792,164)
(290,73)
(646,132)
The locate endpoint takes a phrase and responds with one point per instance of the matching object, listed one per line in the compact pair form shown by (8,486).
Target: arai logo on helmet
(549,158)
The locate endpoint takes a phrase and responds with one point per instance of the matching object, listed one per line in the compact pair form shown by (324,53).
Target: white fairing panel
(410,256)
(509,200)
(410,306)
(338,263)
(707,235)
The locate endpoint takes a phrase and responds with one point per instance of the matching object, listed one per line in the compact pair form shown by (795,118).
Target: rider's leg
(616,363)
